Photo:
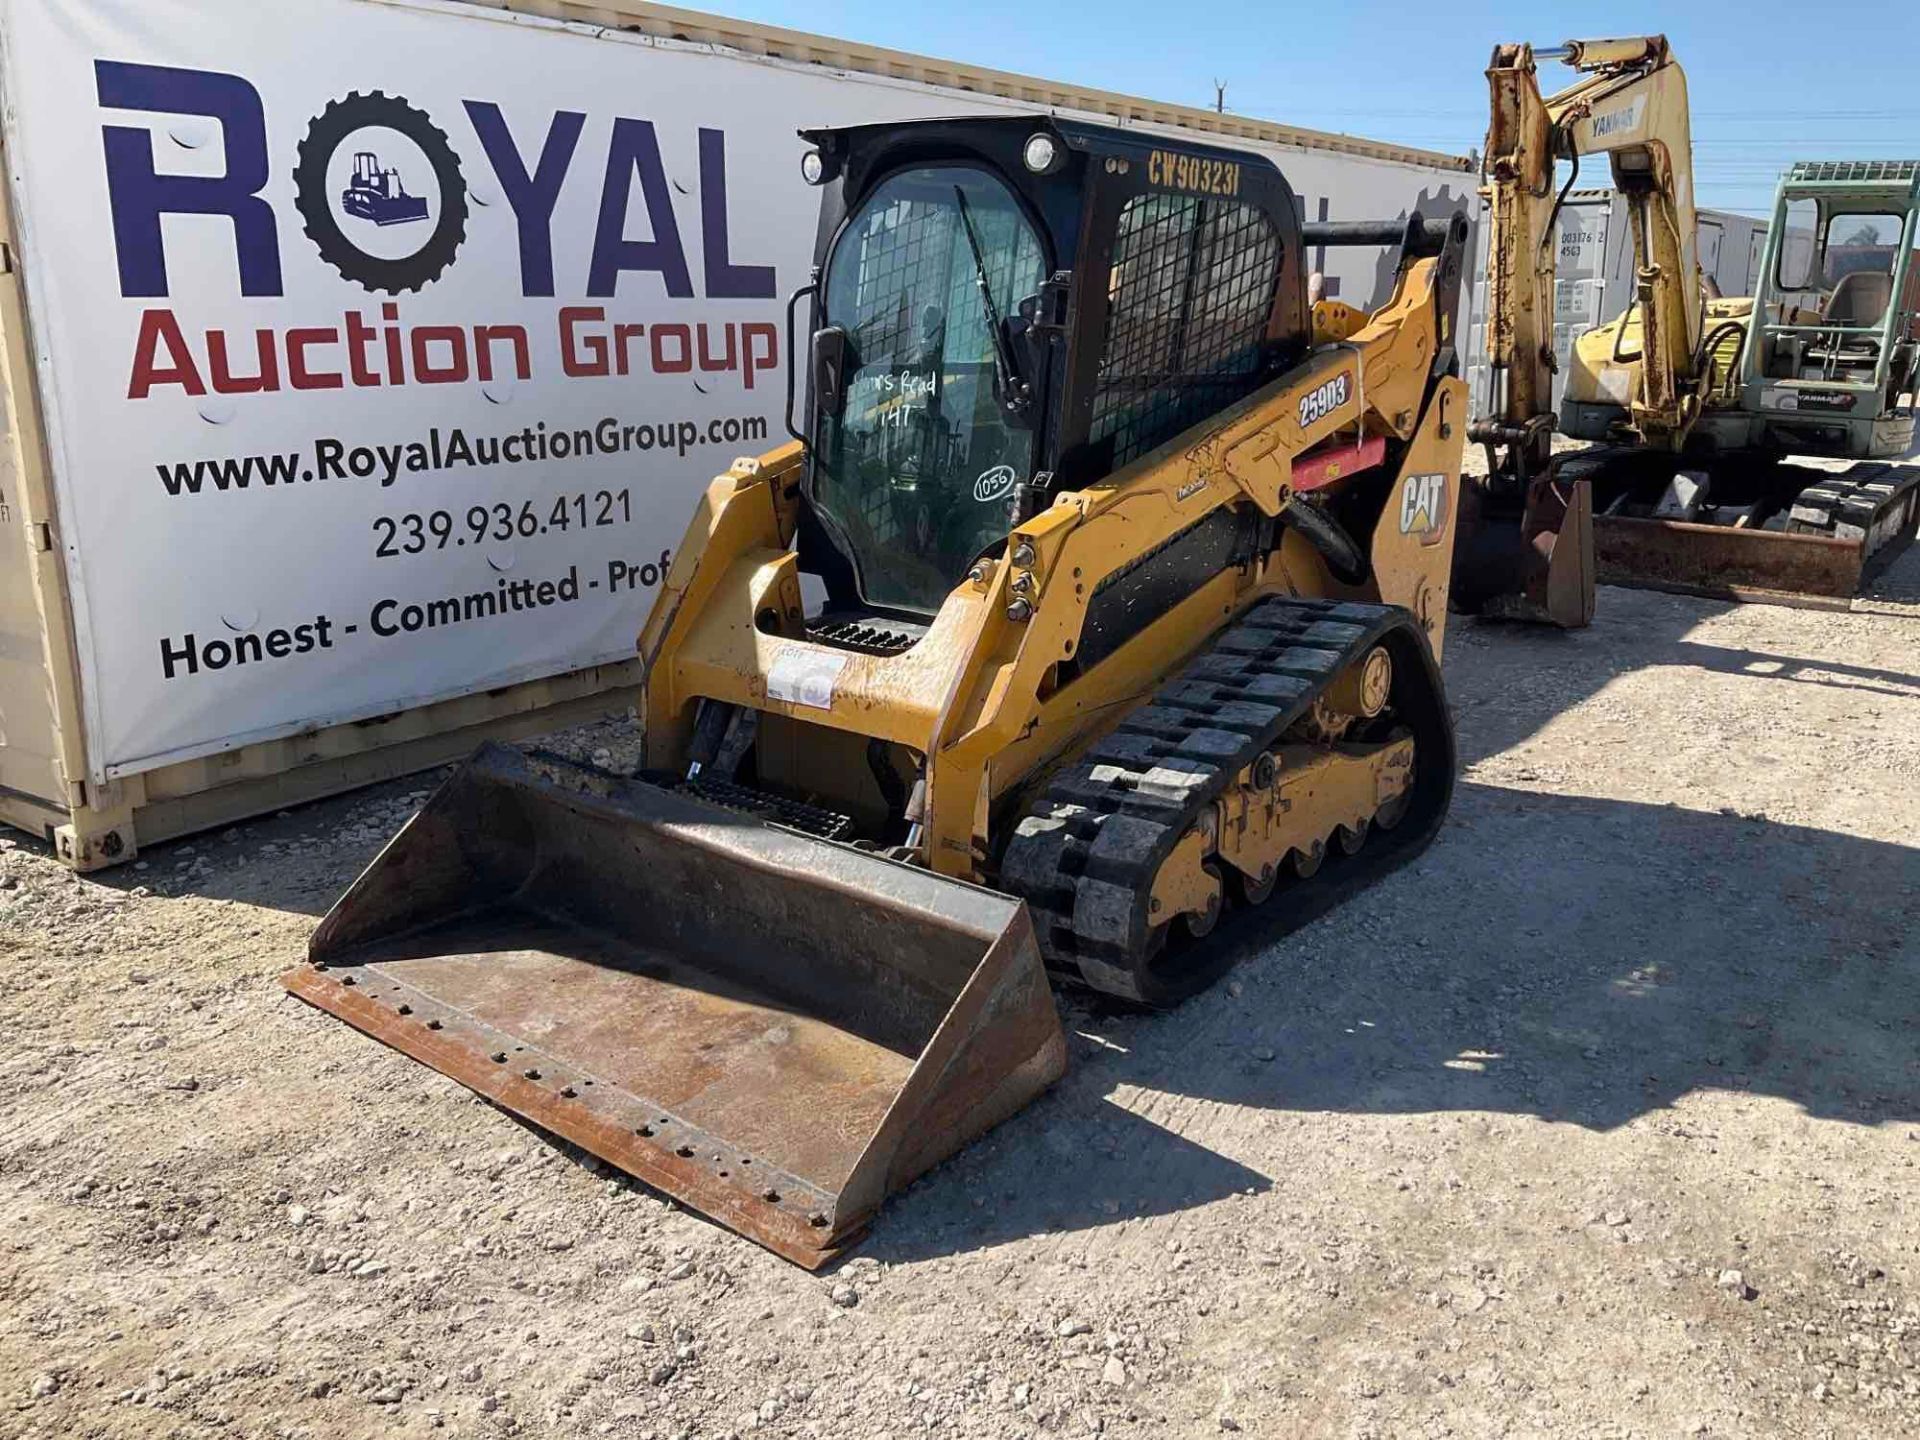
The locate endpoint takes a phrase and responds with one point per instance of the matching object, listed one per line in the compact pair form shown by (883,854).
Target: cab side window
(1188,298)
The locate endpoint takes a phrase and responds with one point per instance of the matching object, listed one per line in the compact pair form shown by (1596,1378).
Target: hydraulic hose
(1343,556)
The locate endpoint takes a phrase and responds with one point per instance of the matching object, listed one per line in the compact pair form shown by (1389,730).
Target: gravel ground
(1602,1119)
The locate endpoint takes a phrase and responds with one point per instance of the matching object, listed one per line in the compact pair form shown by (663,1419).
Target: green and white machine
(1828,367)
(1819,364)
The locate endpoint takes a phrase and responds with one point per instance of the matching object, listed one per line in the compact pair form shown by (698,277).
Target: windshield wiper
(1013,391)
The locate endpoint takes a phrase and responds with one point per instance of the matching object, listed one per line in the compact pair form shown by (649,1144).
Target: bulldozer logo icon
(377,194)
(389,210)
(1423,507)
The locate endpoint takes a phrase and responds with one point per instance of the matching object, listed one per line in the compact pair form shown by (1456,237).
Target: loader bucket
(777,1030)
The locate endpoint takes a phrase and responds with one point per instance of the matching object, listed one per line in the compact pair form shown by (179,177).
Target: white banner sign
(384,347)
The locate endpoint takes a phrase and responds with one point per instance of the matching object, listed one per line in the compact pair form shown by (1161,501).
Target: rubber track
(1086,855)
(1868,502)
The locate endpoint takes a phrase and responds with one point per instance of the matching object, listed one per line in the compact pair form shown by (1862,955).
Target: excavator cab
(1830,368)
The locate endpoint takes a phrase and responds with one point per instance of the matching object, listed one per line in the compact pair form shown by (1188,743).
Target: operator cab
(1006,309)
(1836,305)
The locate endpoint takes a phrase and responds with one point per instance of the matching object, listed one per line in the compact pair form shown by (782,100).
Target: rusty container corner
(776,1030)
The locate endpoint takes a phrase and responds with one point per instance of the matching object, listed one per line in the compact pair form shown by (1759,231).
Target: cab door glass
(1799,234)
(916,459)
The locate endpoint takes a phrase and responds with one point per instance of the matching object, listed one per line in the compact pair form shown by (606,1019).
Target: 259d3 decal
(1324,399)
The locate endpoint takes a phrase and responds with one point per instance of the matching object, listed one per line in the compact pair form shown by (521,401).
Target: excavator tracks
(1825,535)
(1086,856)
(1871,505)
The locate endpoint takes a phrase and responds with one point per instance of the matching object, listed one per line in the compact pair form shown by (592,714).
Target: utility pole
(1220,97)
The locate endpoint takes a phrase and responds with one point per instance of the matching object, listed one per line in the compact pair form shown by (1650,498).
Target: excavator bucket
(1533,564)
(777,1030)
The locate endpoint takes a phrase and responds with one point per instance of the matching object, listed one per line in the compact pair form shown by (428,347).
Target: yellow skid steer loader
(1129,574)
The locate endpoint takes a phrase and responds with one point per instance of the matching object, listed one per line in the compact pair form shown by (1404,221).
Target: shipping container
(363,359)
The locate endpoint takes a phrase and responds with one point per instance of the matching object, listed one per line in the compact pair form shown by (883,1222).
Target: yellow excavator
(1694,402)
(1097,602)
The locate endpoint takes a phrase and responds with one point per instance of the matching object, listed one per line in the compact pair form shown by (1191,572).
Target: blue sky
(1414,73)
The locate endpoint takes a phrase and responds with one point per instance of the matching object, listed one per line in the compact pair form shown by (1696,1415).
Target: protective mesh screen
(1190,292)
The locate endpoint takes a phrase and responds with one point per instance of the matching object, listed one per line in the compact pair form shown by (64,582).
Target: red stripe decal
(1336,462)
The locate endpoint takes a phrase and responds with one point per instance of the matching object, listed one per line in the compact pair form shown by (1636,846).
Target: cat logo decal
(1423,507)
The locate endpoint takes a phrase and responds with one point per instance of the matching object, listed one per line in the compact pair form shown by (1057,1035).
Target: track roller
(1274,751)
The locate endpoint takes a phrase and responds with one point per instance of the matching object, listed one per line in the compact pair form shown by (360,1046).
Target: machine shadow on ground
(1582,961)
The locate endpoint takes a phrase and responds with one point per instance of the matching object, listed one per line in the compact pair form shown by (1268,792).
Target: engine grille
(864,636)
(794,814)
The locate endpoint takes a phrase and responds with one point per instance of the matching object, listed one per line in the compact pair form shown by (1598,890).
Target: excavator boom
(1629,104)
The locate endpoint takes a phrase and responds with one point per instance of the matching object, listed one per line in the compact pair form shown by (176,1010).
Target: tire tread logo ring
(325,132)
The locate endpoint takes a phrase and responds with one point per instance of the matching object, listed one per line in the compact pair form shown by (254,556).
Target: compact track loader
(1098,598)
